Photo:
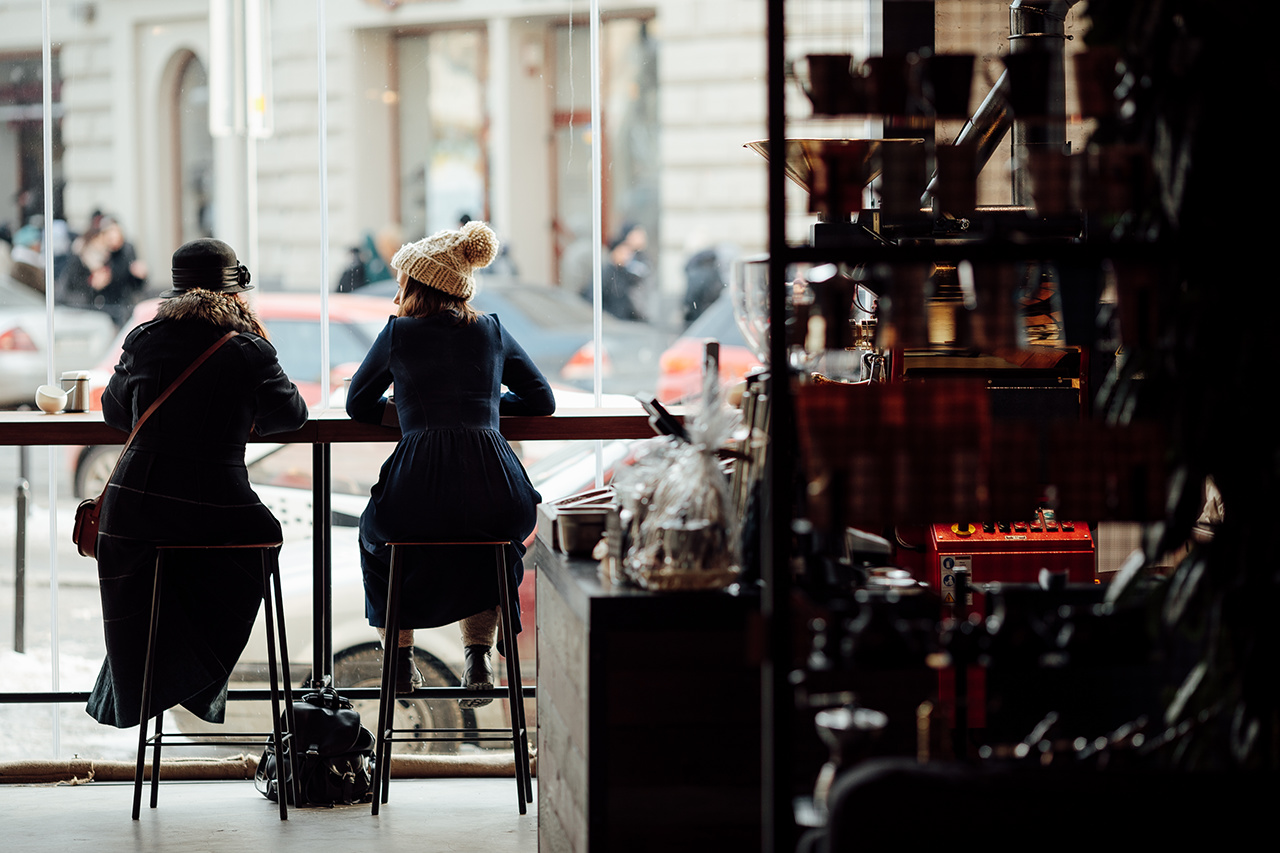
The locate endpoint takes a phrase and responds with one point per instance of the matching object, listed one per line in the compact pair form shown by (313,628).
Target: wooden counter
(648,716)
(330,426)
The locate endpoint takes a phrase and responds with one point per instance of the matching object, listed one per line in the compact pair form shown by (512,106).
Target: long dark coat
(452,477)
(183,480)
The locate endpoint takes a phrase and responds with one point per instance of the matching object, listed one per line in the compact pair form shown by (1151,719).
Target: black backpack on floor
(334,753)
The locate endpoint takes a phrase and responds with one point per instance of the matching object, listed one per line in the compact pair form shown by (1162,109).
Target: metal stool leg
(268,605)
(156,746)
(513,665)
(294,786)
(387,694)
(144,711)
(515,697)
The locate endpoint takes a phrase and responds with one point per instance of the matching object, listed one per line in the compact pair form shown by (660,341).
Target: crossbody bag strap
(155,404)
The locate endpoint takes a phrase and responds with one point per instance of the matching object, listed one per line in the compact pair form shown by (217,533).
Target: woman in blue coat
(452,477)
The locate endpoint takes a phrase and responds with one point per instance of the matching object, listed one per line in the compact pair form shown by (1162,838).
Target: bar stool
(273,601)
(518,734)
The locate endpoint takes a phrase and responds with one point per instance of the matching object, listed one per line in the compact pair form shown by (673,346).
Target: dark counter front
(648,715)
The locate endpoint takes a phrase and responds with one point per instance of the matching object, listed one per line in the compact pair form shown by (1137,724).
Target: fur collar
(217,309)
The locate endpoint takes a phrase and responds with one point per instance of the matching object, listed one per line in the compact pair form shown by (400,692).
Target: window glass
(22,136)
(170,126)
(298,341)
(195,181)
(442,124)
(640,312)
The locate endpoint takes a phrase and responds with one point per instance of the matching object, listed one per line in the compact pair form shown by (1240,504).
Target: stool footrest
(453,739)
(441,693)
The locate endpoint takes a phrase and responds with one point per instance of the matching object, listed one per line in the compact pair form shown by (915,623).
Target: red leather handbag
(85,530)
(84,533)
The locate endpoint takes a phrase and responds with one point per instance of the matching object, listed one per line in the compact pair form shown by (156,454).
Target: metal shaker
(76,384)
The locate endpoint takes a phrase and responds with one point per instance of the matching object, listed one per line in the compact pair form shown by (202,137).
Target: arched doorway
(192,145)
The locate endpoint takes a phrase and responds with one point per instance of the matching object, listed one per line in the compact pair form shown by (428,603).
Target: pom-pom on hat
(445,261)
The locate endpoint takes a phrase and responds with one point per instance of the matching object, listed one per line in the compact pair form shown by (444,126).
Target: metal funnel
(805,156)
(834,171)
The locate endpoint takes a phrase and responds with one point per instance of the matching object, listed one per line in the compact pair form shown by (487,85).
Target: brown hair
(418,300)
(256,324)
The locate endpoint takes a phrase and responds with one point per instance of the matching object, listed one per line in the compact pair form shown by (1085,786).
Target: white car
(80,339)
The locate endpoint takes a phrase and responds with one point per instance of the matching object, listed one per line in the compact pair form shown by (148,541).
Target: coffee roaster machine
(968,638)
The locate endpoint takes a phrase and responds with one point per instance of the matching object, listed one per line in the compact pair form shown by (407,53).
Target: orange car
(680,366)
(293,322)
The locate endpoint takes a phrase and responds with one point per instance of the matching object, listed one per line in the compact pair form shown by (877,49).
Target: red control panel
(1009,551)
(1004,552)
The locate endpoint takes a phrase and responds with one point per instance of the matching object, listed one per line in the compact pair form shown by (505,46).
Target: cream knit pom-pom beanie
(445,261)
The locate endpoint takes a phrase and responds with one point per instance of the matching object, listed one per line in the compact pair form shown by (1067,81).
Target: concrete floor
(193,817)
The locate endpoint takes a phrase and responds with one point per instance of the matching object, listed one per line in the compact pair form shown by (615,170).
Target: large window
(315,148)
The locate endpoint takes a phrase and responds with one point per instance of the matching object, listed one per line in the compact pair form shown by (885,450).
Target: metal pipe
(20,555)
(960,658)
(778,711)
(993,118)
(1040,26)
(986,129)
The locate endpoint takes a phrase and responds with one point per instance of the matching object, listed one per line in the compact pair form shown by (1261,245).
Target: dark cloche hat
(209,265)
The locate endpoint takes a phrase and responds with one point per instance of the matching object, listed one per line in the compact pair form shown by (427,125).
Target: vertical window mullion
(46,85)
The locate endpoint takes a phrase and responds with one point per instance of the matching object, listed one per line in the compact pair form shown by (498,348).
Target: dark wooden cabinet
(648,715)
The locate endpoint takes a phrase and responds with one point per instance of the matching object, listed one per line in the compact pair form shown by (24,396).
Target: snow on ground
(27,731)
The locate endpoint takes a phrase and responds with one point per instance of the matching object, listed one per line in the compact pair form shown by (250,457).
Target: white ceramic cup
(50,399)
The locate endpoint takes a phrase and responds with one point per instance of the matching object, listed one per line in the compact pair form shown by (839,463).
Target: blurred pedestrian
(624,274)
(104,272)
(26,259)
(704,281)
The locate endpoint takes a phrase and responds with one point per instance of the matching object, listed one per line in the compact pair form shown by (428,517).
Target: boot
(408,678)
(477,674)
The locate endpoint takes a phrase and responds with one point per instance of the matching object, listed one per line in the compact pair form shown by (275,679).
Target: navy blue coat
(183,480)
(452,476)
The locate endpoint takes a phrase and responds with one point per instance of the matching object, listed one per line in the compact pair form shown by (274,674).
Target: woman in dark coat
(452,477)
(183,480)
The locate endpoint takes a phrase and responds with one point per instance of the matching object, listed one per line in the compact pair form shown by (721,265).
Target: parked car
(80,337)
(556,328)
(293,322)
(680,366)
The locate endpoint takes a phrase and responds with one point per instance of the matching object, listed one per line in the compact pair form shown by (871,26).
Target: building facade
(204,117)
